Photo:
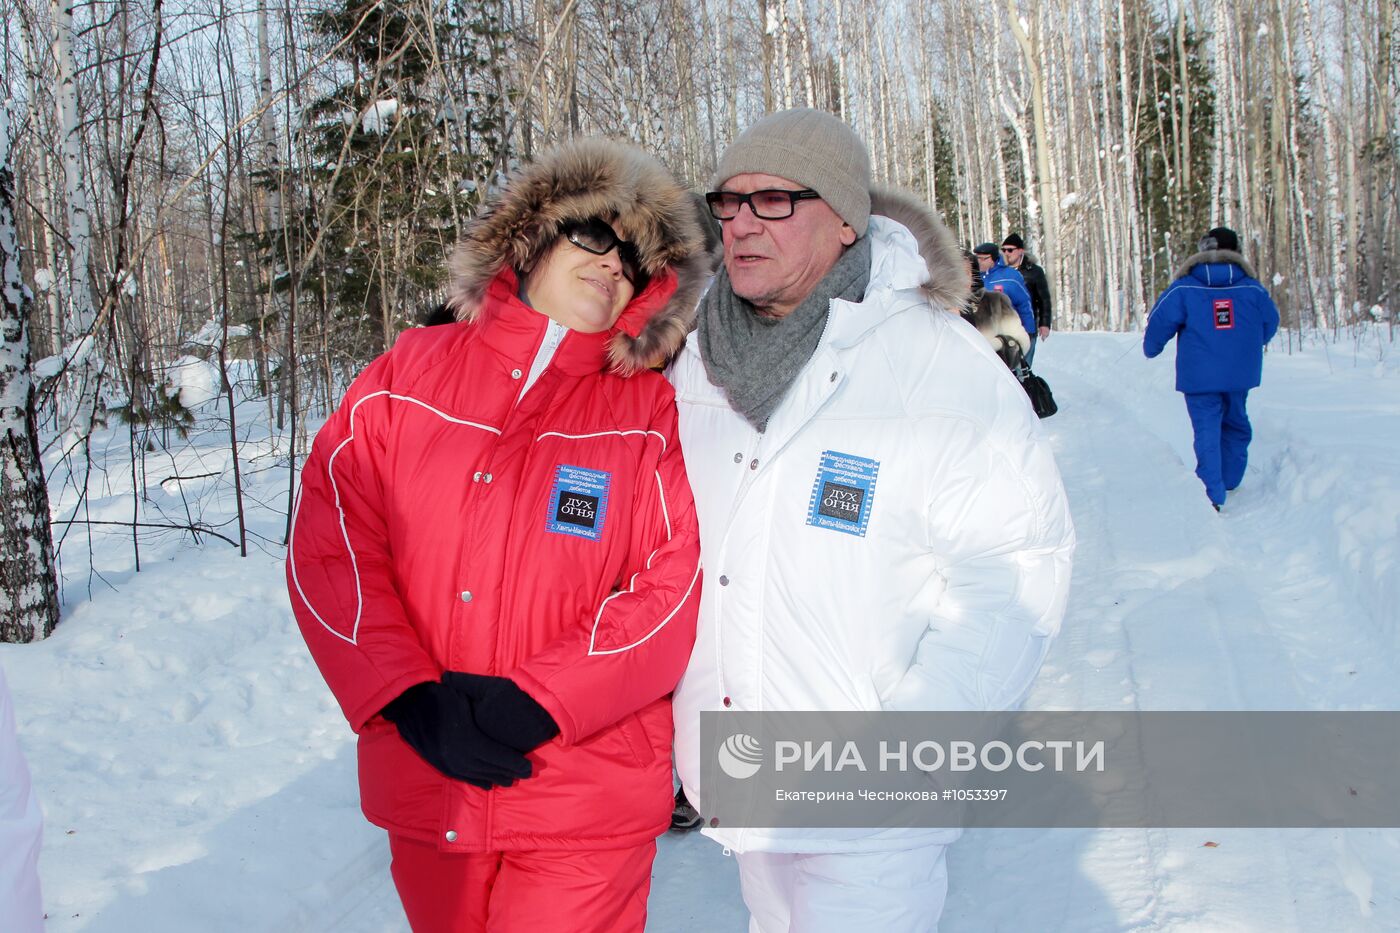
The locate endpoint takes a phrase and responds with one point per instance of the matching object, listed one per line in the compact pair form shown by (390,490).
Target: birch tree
(1333,229)
(28,585)
(1031,52)
(82,362)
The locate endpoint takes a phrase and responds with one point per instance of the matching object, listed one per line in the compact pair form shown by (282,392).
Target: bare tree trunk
(842,87)
(28,584)
(1300,215)
(1127,165)
(1335,216)
(83,362)
(271,161)
(1113,297)
(1042,245)
(809,66)
(784,28)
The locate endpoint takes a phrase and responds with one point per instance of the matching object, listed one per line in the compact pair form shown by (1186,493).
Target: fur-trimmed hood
(994,318)
(575,181)
(1215,257)
(950,279)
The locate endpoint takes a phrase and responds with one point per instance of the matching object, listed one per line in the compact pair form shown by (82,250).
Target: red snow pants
(540,891)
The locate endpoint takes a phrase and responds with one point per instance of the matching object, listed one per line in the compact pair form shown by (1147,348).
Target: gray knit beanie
(811,148)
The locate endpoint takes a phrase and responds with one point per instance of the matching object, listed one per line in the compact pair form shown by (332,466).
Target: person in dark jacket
(1223,318)
(1013,250)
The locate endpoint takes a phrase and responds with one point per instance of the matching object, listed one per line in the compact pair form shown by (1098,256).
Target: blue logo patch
(844,493)
(578,503)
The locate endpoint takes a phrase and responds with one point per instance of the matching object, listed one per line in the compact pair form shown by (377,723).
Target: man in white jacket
(882,525)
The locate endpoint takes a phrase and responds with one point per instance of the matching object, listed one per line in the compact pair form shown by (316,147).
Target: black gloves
(437,721)
(504,711)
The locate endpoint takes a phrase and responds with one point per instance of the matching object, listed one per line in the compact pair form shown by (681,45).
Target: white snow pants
(901,891)
(21,829)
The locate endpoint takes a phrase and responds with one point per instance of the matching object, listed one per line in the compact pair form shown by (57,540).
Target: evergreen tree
(397,149)
(1175,196)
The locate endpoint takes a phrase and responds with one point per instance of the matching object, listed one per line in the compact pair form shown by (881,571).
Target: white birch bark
(272,165)
(884,172)
(1300,214)
(1013,107)
(1127,167)
(809,66)
(867,121)
(1042,182)
(998,159)
(84,365)
(28,586)
(267,123)
(1107,177)
(843,111)
(1185,90)
(785,52)
(1220,135)
(1334,214)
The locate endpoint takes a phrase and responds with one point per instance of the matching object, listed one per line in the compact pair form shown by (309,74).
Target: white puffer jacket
(897,539)
(21,831)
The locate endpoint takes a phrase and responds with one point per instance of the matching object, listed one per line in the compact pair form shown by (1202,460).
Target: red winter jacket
(441,526)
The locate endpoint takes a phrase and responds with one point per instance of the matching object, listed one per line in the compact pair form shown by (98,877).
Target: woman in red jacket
(495,559)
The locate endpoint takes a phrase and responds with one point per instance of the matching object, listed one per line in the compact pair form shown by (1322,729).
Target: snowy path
(196,775)
(1177,608)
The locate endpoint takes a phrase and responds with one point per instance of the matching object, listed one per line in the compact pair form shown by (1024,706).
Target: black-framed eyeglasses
(768,204)
(597,236)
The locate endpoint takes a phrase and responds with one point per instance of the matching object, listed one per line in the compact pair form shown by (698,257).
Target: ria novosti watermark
(740,756)
(928,755)
(1050,769)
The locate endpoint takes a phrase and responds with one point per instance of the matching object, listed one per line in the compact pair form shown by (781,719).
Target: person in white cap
(830,354)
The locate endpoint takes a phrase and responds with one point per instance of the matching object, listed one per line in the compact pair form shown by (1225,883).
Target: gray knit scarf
(754,358)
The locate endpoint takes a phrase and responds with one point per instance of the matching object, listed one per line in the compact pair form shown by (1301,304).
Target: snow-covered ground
(195,773)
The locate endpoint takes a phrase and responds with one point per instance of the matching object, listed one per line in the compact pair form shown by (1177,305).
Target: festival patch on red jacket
(1224,313)
(578,503)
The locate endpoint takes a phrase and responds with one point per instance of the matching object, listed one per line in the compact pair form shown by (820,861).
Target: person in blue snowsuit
(1223,318)
(998,276)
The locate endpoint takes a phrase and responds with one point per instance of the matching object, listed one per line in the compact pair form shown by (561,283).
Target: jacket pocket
(637,741)
(399,791)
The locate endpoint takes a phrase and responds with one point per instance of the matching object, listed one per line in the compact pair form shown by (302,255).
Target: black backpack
(1037,389)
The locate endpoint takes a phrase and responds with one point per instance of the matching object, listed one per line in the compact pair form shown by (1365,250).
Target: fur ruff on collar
(950,278)
(574,181)
(1215,255)
(994,318)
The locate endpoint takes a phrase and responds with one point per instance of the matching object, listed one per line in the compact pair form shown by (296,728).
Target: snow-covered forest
(196,773)
(302,168)
(213,213)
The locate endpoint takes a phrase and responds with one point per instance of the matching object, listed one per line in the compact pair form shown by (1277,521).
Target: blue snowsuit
(1009,282)
(1223,318)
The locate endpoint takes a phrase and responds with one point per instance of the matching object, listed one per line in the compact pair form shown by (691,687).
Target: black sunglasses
(768,204)
(1009,249)
(597,236)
